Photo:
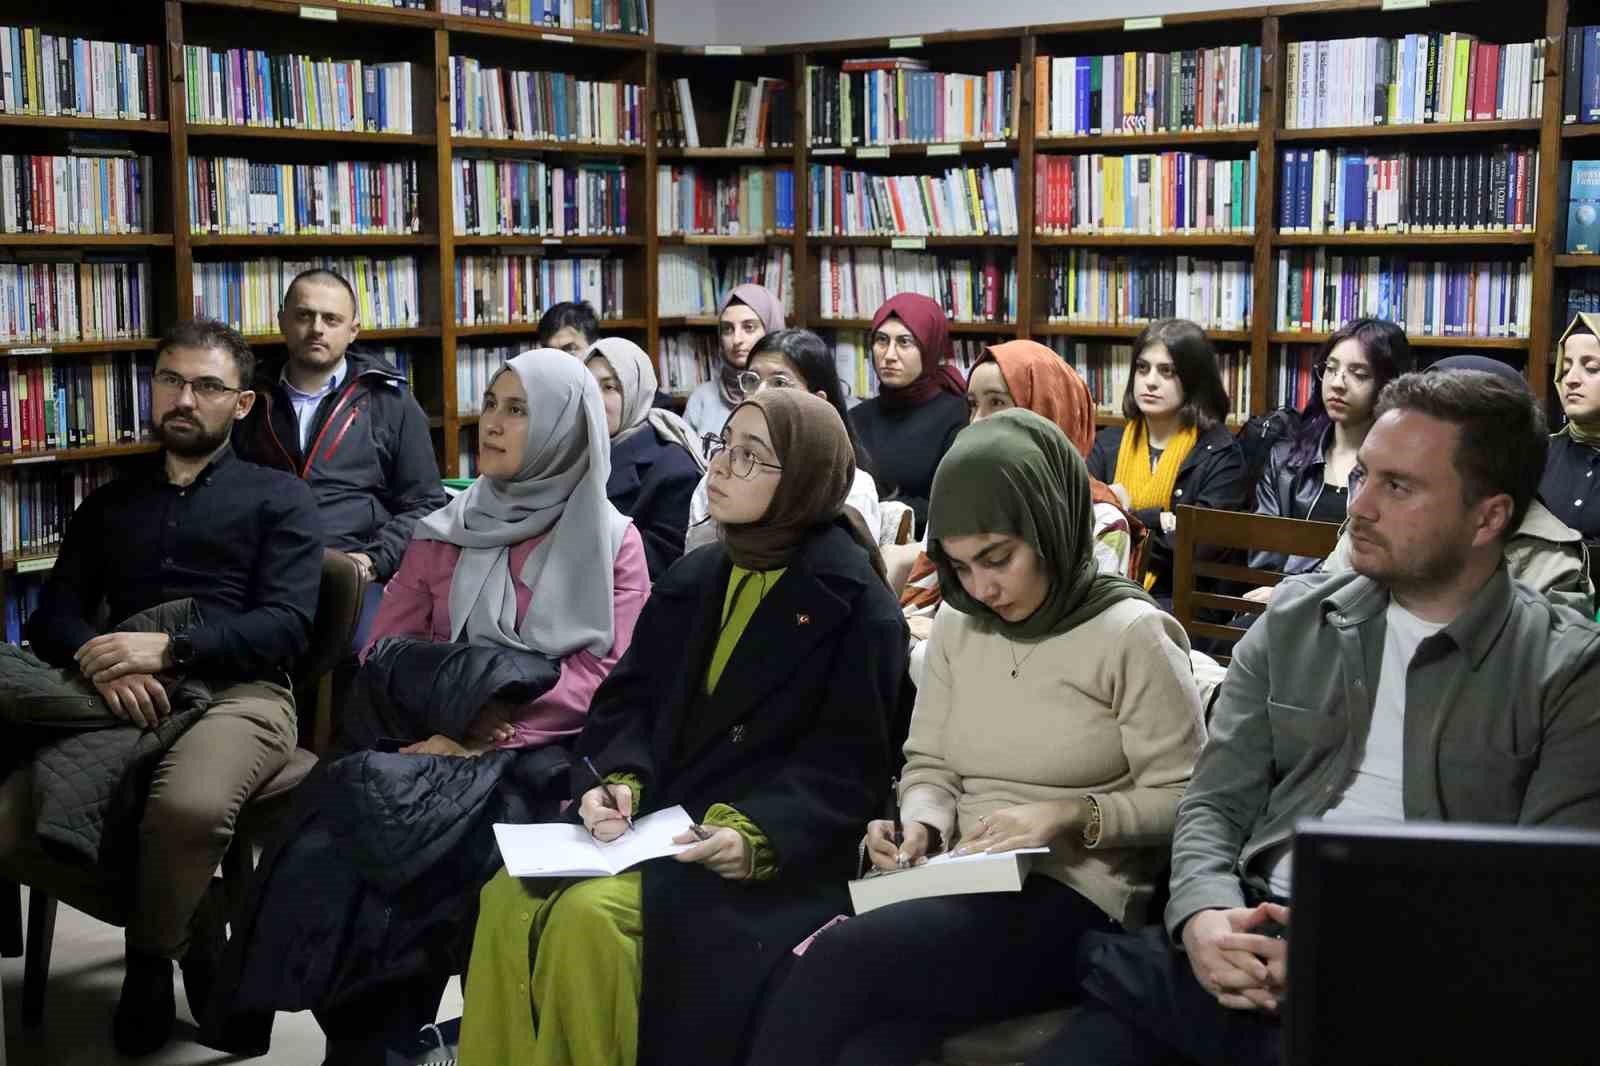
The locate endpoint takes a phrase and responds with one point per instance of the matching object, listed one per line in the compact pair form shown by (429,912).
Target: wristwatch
(1091,829)
(181,650)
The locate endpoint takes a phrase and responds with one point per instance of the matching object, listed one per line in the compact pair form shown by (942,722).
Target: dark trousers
(359,1032)
(888,986)
(1142,1006)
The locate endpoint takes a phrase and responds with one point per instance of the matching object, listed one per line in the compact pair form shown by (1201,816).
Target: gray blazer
(1502,725)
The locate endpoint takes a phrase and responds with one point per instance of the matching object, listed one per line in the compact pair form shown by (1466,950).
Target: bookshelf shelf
(779,155)
(931,242)
(1117,143)
(273,133)
(554,35)
(528,329)
(416,333)
(79,455)
(359,13)
(307,240)
(1144,240)
(619,240)
(1129,331)
(467,420)
(936,150)
(86,240)
(1580,130)
(984,328)
(695,322)
(1442,240)
(1577,262)
(1486,343)
(512,144)
(1421,129)
(730,240)
(72,122)
(137,344)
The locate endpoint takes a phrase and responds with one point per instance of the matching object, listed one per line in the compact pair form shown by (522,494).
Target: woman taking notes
(764,673)
(1058,710)
(749,312)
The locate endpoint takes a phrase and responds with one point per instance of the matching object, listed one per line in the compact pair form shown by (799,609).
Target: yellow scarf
(1149,488)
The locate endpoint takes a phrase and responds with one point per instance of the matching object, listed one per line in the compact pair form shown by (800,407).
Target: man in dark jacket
(344,423)
(243,543)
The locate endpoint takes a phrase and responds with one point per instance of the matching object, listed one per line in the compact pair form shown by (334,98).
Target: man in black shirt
(243,542)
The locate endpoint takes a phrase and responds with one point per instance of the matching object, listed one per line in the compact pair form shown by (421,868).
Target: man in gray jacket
(1424,684)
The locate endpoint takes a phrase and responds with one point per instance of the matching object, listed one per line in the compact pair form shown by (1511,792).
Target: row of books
(37,502)
(1580,88)
(247,294)
(475,366)
(49,74)
(900,101)
(760,115)
(1318,291)
(690,281)
(250,87)
(1357,190)
(49,404)
(22,593)
(962,202)
(1106,367)
(1114,289)
(1418,78)
(542,105)
(854,282)
(241,196)
(1583,292)
(504,289)
(530,196)
(687,358)
(1291,373)
(601,16)
(1148,92)
(91,300)
(1166,192)
(76,194)
(750,201)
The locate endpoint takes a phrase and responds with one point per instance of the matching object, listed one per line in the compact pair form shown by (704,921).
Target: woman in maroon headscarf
(921,403)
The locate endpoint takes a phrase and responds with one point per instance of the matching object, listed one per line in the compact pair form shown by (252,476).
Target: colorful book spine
(505,289)
(1319,292)
(1093,288)
(691,282)
(1167,192)
(962,202)
(854,282)
(523,105)
(247,294)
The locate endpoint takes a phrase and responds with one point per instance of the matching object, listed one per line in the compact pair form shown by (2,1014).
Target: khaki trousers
(243,739)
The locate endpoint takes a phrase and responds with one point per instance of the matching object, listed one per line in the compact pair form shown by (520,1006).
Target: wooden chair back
(1203,535)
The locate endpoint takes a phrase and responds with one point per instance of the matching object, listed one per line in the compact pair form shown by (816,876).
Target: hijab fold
(769,309)
(1583,432)
(637,378)
(926,320)
(1016,473)
(558,494)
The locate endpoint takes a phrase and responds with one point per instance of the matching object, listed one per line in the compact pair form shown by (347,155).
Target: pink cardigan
(416,603)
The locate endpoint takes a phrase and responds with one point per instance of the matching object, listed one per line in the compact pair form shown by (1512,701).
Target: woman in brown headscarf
(758,698)
(921,401)
(1029,375)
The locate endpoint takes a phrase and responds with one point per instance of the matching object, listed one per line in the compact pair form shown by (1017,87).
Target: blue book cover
(1285,211)
(1583,208)
(1591,74)
(1081,84)
(1303,219)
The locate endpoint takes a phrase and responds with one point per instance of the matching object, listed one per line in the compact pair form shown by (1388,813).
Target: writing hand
(886,854)
(605,810)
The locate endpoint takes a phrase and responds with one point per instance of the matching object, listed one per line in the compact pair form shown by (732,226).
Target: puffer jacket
(1290,490)
(92,768)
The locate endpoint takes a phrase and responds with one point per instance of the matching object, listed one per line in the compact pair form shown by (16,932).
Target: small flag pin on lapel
(802,619)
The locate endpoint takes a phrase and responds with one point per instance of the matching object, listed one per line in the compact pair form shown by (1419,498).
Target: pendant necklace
(1016,667)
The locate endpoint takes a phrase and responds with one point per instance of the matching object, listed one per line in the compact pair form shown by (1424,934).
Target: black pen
(899,830)
(611,801)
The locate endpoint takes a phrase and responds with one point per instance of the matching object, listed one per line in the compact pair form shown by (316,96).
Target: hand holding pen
(606,809)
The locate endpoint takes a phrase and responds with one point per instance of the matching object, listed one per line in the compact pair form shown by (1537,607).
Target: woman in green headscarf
(1058,710)
(1568,486)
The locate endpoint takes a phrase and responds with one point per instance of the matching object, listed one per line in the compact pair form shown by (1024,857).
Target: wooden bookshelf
(289,241)
(1124,143)
(1144,240)
(132,344)
(86,240)
(1415,340)
(284,133)
(1407,239)
(79,455)
(513,145)
(72,122)
(1423,129)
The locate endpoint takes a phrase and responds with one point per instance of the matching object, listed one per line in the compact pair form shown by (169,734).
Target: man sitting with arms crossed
(345,423)
(1335,707)
(242,542)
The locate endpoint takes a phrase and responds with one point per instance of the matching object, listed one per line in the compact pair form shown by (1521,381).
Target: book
(749,201)
(531,105)
(963,201)
(561,849)
(501,289)
(501,196)
(691,281)
(249,87)
(978,287)
(1098,288)
(241,196)
(1171,193)
(1318,290)
(1583,208)
(944,875)
(247,294)
(885,102)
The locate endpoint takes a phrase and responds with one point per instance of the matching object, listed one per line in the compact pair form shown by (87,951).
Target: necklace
(1016,667)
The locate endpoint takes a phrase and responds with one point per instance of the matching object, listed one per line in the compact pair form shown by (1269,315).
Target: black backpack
(1257,436)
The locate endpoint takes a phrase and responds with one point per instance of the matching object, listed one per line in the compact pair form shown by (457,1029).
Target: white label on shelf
(30,351)
(558,38)
(724,49)
(875,152)
(1403,5)
(1149,22)
(36,459)
(551,240)
(320,14)
(944,149)
(827,151)
(905,42)
(909,242)
(995,144)
(28,566)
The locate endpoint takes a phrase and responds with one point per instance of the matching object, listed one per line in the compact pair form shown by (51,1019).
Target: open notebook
(559,849)
(944,875)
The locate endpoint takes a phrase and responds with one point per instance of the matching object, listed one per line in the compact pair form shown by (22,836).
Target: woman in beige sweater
(1058,710)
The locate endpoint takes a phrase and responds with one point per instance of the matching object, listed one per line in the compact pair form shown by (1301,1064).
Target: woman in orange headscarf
(1027,374)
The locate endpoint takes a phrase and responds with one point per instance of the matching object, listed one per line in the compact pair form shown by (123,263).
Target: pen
(611,801)
(700,832)
(899,830)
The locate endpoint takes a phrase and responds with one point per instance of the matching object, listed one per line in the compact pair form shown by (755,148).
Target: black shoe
(199,969)
(146,1011)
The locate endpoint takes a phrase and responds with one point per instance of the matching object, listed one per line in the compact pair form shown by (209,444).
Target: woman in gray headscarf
(532,556)
(655,460)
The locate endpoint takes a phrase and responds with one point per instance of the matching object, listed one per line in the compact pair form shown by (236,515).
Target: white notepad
(944,875)
(559,849)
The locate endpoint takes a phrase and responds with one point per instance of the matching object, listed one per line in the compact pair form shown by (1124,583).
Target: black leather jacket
(1289,490)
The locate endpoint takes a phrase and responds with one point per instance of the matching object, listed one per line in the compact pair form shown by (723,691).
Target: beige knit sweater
(1108,709)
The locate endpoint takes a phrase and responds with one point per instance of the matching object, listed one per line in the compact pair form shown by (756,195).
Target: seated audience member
(795,359)
(921,403)
(1568,485)
(345,423)
(1028,375)
(756,695)
(749,312)
(1541,553)
(530,560)
(244,544)
(1057,710)
(570,326)
(655,459)
(1175,448)
(1307,475)
(1306,728)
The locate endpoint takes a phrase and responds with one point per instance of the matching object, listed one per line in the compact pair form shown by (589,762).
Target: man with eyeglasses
(244,544)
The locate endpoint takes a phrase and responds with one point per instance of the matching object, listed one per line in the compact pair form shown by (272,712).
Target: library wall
(692,21)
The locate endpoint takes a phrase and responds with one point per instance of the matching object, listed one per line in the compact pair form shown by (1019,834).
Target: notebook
(944,875)
(559,849)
